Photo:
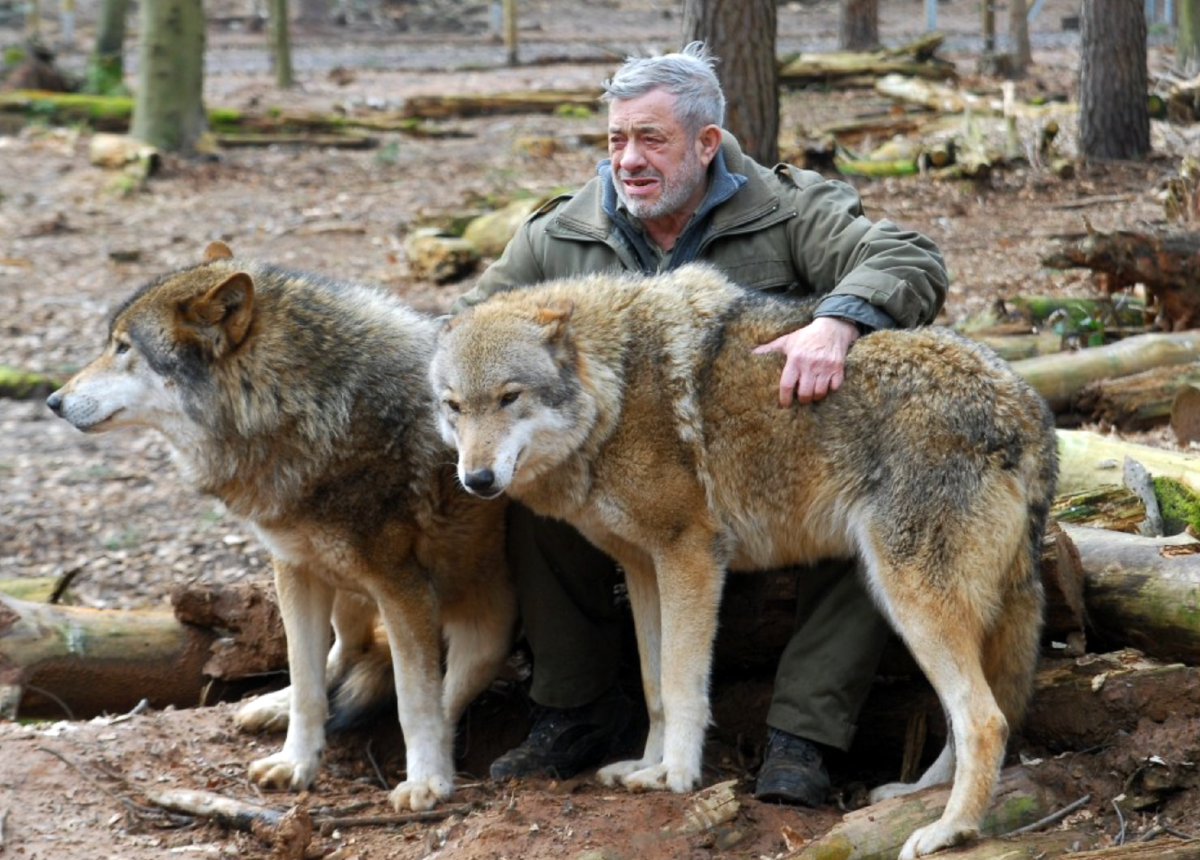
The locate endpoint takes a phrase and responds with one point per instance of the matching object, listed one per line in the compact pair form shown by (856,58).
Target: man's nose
(632,157)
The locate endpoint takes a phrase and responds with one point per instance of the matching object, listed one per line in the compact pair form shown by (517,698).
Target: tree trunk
(879,831)
(1142,592)
(169,109)
(1018,34)
(741,34)
(1139,401)
(105,73)
(281,44)
(859,25)
(1187,37)
(1114,120)
(1087,460)
(1061,377)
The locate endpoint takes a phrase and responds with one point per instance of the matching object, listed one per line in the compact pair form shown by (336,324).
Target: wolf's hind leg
(942,770)
(478,631)
(306,604)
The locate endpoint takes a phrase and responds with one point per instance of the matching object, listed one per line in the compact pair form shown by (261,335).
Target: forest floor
(110,510)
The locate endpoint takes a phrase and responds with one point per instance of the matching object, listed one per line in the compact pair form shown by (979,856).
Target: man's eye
(509,398)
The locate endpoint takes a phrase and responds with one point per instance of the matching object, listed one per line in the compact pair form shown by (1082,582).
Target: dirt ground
(112,512)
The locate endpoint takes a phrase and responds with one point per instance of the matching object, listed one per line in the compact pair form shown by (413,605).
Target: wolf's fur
(635,410)
(303,404)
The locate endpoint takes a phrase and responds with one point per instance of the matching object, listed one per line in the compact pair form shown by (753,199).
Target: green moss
(1180,506)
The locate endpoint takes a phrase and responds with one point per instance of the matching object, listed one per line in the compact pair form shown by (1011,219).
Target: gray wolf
(303,404)
(635,410)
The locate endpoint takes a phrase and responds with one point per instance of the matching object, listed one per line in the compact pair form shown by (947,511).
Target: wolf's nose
(55,402)
(480,481)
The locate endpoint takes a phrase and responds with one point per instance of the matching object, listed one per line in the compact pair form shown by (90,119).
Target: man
(676,189)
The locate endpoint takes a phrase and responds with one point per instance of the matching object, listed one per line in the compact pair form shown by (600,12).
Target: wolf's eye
(452,405)
(122,347)
(510,398)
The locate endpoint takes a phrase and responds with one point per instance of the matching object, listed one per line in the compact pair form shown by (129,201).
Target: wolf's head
(510,392)
(160,341)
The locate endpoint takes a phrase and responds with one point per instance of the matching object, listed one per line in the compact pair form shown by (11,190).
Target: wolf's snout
(481,481)
(55,402)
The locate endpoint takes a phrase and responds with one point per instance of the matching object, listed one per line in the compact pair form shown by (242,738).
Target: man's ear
(707,143)
(227,309)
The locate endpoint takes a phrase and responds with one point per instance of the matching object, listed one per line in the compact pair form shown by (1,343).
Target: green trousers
(565,591)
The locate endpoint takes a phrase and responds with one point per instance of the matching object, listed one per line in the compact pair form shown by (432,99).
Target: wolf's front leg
(306,603)
(410,614)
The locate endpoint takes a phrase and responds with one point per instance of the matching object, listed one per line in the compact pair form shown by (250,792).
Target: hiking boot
(564,741)
(791,771)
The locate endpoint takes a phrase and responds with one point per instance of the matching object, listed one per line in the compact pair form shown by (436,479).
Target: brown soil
(112,511)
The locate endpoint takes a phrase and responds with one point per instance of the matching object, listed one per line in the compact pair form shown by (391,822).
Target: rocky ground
(112,512)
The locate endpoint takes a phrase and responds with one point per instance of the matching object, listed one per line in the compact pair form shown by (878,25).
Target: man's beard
(674,194)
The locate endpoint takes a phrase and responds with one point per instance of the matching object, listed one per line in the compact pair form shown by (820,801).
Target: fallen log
(1166,262)
(1162,848)
(26,384)
(1087,459)
(56,659)
(1060,378)
(915,59)
(502,103)
(1142,592)
(1185,413)
(879,831)
(1138,401)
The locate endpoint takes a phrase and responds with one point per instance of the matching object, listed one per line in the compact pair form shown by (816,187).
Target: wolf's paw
(267,713)
(935,837)
(892,789)
(282,771)
(421,794)
(616,773)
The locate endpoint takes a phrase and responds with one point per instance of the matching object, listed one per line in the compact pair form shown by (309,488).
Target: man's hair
(689,75)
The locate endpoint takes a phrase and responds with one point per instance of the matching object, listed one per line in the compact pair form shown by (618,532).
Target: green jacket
(786,230)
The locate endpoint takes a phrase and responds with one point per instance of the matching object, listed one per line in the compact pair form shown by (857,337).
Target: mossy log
(1108,507)
(1060,378)
(1040,309)
(914,59)
(1087,459)
(879,831)
(17,384)
(495,104)
(1142,592)
(69,661)
(1138,401)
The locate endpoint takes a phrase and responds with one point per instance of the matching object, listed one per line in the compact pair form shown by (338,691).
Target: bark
(1185,413)
(741,34)
(1139,401)
(1109,507)
(1061,377)
(1163,848)
(251,641)
(878,831)
(858,25)
(1114,120)
(1018,33)
(1142,592)
(493,104)
(90,661)
(1166,261)
(169,108)
(1087,460)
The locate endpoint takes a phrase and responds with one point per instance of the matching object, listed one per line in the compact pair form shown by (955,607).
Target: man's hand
(816,356)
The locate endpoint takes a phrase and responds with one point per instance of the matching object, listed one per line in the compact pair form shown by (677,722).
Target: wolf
(635,409)
(303,404)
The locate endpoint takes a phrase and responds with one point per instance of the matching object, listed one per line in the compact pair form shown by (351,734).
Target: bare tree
(1187,39)
(859,20)
(106,64)
(1018,34)
(1114,119)
(168,111)
(741,33)
(281,43)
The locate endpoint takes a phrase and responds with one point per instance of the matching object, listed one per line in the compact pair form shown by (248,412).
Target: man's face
(657,166)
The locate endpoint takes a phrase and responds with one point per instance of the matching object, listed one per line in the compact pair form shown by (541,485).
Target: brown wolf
(635,410)
(303,404)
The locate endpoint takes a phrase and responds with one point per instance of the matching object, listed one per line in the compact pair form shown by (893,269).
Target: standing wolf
(303,404)
(636,410)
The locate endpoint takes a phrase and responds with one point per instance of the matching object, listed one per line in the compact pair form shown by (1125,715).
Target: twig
(3,821)
(136,808)
(139,708)
(1051,818)
(399,818)
(63,583)
(375,764)
(1120,840)
(66,708)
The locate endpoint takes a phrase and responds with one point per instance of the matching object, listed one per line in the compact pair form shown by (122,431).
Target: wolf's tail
(1011,648)
(366,690)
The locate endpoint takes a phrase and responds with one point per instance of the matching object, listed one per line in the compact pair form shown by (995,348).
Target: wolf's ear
(554,317)
(228,307)
(217,250)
